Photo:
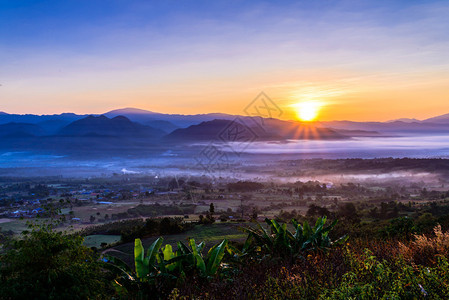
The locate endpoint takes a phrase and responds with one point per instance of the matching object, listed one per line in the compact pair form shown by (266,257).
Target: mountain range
(140,129)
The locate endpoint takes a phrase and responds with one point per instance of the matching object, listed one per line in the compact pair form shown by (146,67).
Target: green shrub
(45,264)
(370,278)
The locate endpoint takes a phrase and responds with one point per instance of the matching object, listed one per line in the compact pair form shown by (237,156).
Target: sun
(307,111)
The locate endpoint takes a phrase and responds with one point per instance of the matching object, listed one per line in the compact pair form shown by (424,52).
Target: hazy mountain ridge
(299,130)
(32,118)
(104,126)
(163,125)
(147,123)
(145,116)
(120,136)
(269,130)
(405,120)
(14,129)
(439,119)
(207,130)
(52,127)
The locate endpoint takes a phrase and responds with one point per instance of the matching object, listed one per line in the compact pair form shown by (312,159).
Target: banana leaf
(215,257)
(153,250)
(141,263)
(199,262)
(118,267)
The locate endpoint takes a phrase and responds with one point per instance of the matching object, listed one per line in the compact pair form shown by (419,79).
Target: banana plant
(162,263)
(189,258)
(209,264)
(146,264)
(147,278)
(286,244)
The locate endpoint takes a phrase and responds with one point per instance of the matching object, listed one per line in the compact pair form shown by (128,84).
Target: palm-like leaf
(199,261)
(215,257)
(153,250)
(286,244)
(118,267)
(141,263)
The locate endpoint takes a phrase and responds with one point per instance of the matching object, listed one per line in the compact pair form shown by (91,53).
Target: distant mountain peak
(405,120)
(439,119)
(121,118)
(3,113)
(104,126)
(93,117)
(273,130)
(129,110)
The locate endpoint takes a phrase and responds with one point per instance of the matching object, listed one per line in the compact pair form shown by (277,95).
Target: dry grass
(425,249)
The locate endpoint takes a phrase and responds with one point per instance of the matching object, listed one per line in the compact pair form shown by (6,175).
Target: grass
(97,239)
(210,234)
(84,212)
(217,231)
(15,225)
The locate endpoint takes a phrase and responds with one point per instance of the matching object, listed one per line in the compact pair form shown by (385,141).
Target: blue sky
(204,56)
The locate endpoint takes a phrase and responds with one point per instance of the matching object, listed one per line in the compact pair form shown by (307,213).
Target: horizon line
(145,111)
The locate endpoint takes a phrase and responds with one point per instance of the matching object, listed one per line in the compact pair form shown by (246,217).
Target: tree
(318,211)
(254,214)
(45,264)
(211,209)
(242,199)
(400,228)
(244,186)
(348,211)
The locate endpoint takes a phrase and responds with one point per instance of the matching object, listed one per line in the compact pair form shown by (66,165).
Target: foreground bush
(370,278)
(350,272)
(424,249)
(50,265)
(46,264)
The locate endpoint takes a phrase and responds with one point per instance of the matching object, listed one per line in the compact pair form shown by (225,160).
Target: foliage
(161,268)
(364,270)
(315,210)
(290,245)
(370,278)
(209,219)
(244,186)
(46,264)
(402,228)
(424,249)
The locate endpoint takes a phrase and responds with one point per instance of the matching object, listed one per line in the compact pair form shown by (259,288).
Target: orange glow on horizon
(361,100)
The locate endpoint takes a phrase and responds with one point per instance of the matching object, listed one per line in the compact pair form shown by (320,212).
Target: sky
(360,60)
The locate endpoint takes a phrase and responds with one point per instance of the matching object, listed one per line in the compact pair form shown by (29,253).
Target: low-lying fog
(256,155)
(361,147)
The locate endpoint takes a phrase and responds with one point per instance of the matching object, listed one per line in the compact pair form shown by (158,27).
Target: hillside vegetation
(278,260)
